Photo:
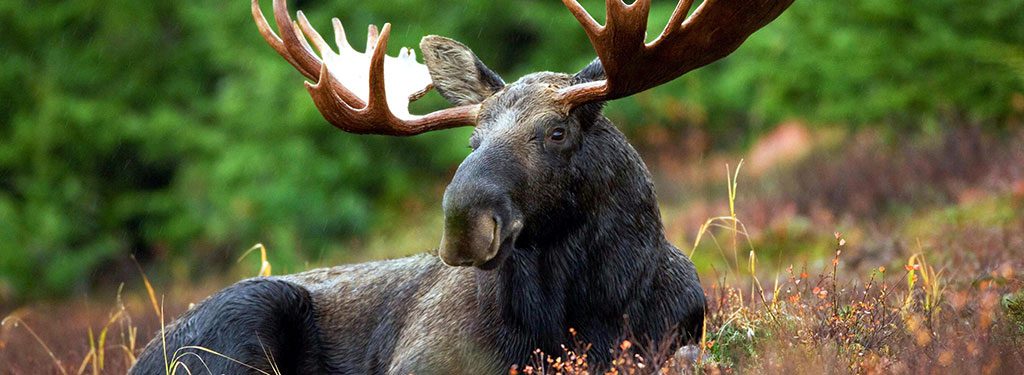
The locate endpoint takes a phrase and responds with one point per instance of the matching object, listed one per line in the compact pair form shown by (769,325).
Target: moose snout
(480,224)
(470,241)
(481,221)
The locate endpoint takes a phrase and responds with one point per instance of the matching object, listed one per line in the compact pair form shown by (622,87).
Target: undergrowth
(816,318)
(952,303)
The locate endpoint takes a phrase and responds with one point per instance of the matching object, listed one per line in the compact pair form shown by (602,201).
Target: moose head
(542,151)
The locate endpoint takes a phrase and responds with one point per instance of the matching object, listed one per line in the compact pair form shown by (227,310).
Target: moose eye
(557,134)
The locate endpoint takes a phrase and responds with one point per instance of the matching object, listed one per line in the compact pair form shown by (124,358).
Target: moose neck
(585,277)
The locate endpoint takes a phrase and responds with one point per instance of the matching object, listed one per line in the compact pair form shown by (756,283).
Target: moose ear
(592,72)
(459,76)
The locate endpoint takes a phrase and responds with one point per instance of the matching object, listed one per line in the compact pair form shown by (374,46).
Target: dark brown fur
(577,243)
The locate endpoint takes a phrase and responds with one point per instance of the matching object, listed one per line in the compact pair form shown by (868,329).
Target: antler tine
(268,34)
(307,29)
(339,35)
(378,94)
(713,31)
(372,35)
(677,18)
(304,42)
(294,42)
(586,20)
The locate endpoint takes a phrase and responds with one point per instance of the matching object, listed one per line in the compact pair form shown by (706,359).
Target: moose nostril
(470,240)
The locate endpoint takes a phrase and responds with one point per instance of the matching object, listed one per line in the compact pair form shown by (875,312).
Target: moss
(732,345)
(1013,304)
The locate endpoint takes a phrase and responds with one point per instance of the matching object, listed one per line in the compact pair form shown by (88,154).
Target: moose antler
(713,31)
(352,91)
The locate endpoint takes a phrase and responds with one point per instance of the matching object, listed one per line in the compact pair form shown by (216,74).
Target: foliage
(169,130)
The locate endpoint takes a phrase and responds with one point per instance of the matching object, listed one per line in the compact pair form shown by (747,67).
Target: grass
(928,283)
(105,357)
(915,319)
(100,348)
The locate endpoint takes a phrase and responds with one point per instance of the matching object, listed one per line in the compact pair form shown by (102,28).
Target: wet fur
(592,256)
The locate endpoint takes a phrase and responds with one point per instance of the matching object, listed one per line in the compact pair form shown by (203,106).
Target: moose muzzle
(471,241)
(480,222)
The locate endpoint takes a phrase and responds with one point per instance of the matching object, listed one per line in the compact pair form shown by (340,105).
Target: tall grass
(125,352)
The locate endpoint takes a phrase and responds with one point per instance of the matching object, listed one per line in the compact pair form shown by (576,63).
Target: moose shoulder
(551,223)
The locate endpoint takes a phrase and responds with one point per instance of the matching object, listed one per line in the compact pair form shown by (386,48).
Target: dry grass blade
(265,268)
(89,358)
(16,321)
(149,288)
(178,355)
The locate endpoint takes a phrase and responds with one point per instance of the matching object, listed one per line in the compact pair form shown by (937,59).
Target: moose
(552,232)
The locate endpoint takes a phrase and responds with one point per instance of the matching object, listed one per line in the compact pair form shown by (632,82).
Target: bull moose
(550,224)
